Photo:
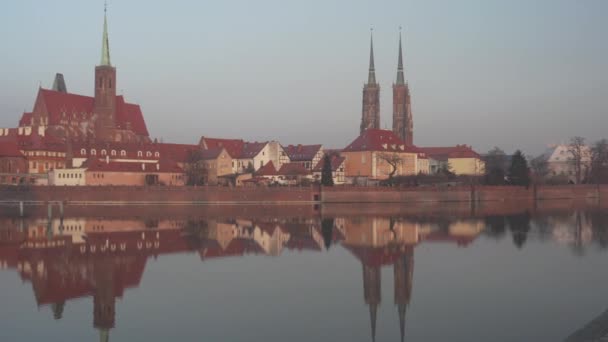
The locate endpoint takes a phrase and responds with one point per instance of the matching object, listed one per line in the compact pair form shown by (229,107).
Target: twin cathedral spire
(402,112)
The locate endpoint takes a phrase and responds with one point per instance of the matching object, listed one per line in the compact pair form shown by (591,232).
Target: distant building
(216,163)
(560,161)
(368,156)
(116,173)
(248,154)
(370,116)
(459,159)
(307,155)
(337,169)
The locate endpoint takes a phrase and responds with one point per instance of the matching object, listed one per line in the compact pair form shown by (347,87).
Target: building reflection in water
(100,258)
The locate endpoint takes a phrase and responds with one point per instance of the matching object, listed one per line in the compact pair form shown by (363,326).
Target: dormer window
(93,152)
(113,153)
(104,152)
(123,153)
(393,146)
(83,151)
(384,146)
(148,154)
(402,147)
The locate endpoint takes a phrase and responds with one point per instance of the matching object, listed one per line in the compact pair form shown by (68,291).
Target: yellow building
(459,159)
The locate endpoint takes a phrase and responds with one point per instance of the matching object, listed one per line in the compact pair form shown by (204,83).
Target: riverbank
(123,195)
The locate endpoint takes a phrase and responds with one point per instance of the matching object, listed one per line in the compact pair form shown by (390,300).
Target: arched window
(139,153)
(83,151)
(113,153)
(104,152)
(156,154)
(123,153)
(148,154)
(93,152)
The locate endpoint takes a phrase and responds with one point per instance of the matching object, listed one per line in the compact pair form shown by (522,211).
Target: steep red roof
(95,165)
(458,151)
(234,147)
(210,154)
(293,169)
(26,119)
(336,161)
(177,152)
(9,149)
(267,170)
(379,140)
(251,149)
(302,152)
(58,102)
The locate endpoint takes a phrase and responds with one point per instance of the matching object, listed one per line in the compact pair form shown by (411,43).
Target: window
(139,153)
(113,153)
(156,154)
(93,152)
(148,154)
(104,152)
(123,153)
(110,83)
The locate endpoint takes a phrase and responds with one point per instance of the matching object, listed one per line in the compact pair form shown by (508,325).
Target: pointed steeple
(371,78)
(401,308)
(105,43)
(373,311)
(400,76)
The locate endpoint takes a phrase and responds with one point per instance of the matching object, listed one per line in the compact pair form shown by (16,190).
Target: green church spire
(105,43)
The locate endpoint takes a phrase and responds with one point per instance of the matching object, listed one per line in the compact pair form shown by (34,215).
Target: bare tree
(540,167)
(577,150)
(394,160)
(599,161)
(194,169)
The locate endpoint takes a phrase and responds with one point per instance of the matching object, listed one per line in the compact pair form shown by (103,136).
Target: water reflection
(77,257)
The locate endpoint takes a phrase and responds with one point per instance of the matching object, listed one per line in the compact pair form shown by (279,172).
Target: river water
(346,273)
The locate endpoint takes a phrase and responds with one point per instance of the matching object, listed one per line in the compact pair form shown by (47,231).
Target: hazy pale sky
(516,74)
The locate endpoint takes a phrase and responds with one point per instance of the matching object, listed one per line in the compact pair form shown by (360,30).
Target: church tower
(403,125)
(370,118)
(105,89)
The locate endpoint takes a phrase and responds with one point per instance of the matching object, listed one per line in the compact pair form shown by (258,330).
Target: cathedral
(105,117)
(403,125)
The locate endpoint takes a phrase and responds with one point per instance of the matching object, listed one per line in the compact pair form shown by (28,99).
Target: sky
(515,74)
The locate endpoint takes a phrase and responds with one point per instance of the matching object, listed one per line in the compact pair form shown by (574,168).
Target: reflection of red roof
(95,165)
(379,140)
(267,170)
(234,147)
(458,151)
(302,152)
(293,169)
(336,161)
(9,149)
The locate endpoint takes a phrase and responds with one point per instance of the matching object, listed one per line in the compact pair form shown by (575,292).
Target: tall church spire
(400,76)
(105,43)
(371,78)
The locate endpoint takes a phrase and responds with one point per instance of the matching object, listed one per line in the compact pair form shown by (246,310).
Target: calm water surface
(305,274)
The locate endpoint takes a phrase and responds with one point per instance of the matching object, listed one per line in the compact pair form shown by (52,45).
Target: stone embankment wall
(295,195)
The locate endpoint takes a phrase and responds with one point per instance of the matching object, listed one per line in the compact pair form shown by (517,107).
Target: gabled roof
(252,149)
(336,161)
(211,154)
(26,119)
(267,170)
(302,152)
(234,147)
(458,151)
(177,152)
(58,102)
(293,169)
(379,140)
(9,149)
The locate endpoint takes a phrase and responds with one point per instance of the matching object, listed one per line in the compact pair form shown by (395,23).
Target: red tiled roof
(458,151)
(57,103)
(9,149)
(302,152)
(212,153)
(95,165)
(336,161)
(293,169)
(379,140)
(267,170)
(26,119)
(251,149)
(177,152)
(234,147)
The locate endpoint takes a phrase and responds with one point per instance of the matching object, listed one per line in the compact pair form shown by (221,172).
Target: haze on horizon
(513,74)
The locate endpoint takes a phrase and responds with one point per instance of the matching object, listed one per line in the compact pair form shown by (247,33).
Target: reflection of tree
(519,224)
(578,246)
(544,228)
(327,227)
(495,226)
(599,226)
(404,275)
(58,309)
